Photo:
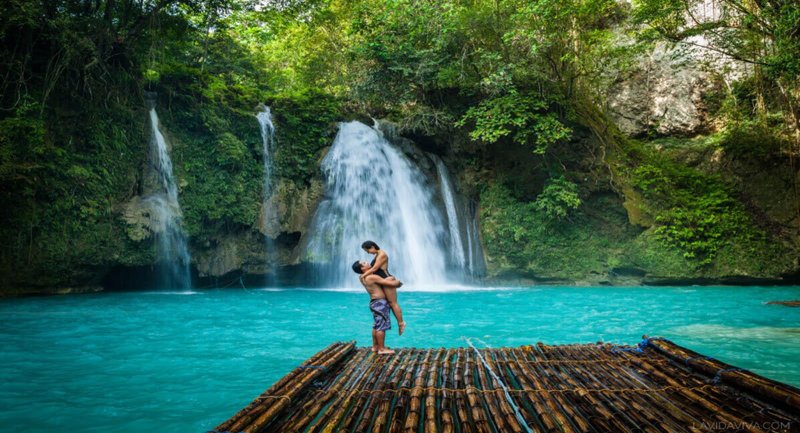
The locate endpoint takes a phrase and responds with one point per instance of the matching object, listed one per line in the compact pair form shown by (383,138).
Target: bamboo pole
(540,378)
(504,421)
(355,412)
(745,411)
(271,409)
(475,399)
(431,414)
(536,405)
(673,417)
(330,423)
(380,386)
(333,397)
(401,406)
(588,388)
(501,400)
(414,410)
(446,405)
(785,396)
(390,389)
(272,390)
(317,401)
(714,411)
(598,376)
(465,423)
(278,395)
(525,372)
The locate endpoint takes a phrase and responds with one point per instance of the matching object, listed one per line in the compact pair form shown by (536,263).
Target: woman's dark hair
(369,244)
(357,267)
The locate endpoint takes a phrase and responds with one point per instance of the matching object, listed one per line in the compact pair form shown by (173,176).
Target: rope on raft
(577,387)
(639,348)
(467,389)
(647,342)
(510,400)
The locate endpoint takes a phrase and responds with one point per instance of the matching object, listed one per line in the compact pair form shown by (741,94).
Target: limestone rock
(226,256)
(136,214)
(665,92)
(141,217)
(290,208)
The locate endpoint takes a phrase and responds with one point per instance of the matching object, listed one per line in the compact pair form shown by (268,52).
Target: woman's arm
(380,260)
(387,282)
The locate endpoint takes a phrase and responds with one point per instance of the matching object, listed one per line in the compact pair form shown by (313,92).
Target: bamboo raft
(656,386)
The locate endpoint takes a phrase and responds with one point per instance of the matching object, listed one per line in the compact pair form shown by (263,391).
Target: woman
(380,267)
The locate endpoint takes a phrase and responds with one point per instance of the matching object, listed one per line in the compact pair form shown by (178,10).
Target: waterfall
(456,245)
(374,192)
(166,213)
(476,265)
(269,216)
(268,140)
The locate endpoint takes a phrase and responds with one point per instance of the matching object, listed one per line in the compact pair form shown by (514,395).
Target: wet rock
(785,303)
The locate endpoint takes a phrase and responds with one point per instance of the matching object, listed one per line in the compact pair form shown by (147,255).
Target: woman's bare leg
(391,298)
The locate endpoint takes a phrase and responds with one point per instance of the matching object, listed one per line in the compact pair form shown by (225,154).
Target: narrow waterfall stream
(172,247)
(268,140)
(375,192)
(268,213)
(456,245)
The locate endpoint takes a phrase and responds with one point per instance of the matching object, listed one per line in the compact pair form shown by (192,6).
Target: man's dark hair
(369,244)
(357,267)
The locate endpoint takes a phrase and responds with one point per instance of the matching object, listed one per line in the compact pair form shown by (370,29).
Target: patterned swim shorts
(380,312)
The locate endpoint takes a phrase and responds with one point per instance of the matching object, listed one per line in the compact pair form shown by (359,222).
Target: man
(378,305)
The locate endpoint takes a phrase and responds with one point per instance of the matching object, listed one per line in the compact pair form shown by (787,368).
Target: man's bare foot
(401,327)
(373,349)
(386,351)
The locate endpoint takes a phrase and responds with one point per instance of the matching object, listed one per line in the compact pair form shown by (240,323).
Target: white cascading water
(269,215)
(456,245)
(475,259)
(173,251)
(268,139)
(374,192)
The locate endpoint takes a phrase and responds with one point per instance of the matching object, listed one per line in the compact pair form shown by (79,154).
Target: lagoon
(186,361)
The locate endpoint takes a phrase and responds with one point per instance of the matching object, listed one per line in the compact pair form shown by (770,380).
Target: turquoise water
(184,362)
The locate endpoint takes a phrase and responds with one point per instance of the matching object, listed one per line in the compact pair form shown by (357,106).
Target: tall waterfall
(268,139)
(476,265)
(269,216)
(456,245)
(166,217)
(374,192)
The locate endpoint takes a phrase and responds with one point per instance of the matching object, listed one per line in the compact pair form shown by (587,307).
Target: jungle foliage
(73,136)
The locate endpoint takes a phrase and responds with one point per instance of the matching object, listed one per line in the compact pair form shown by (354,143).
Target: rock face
(228,254)
(248,250)
(244,250)
(294,206)
(666,92)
